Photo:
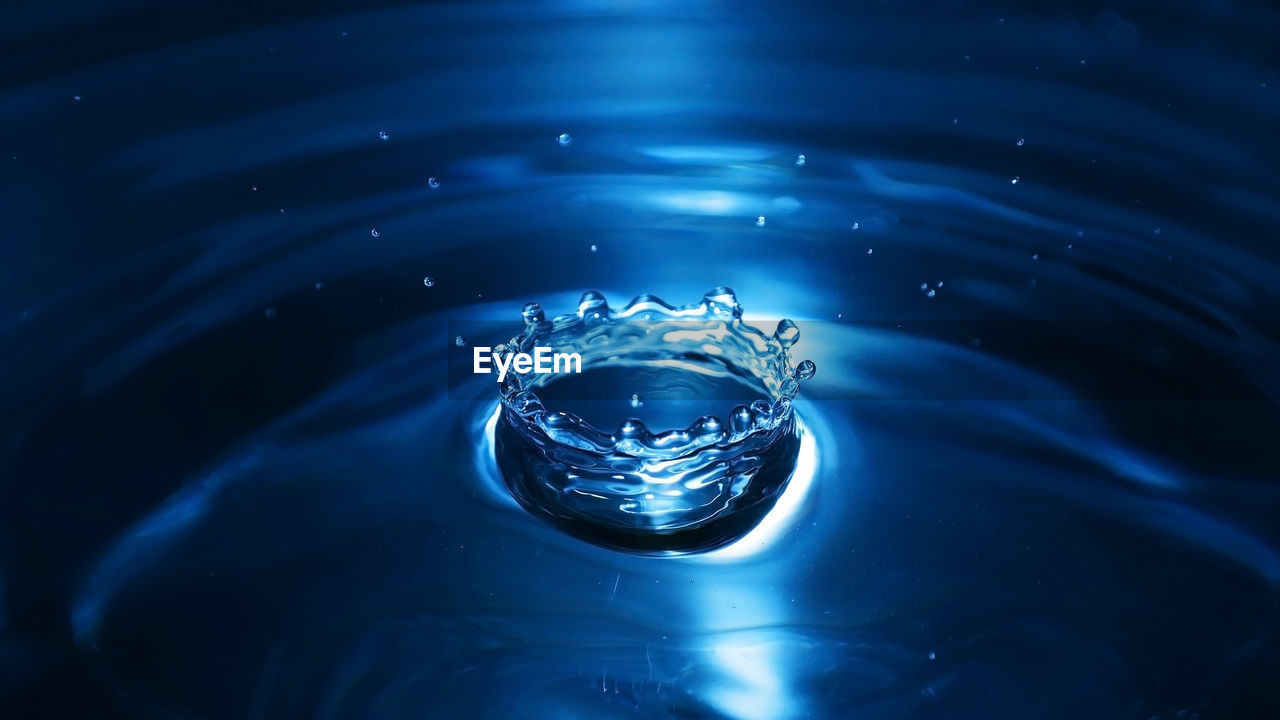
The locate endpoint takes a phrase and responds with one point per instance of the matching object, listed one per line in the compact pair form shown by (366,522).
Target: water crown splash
(691,489)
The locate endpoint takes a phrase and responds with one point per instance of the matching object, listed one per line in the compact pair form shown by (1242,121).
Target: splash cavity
(578,451)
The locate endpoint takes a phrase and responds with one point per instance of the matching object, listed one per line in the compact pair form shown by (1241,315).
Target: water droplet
(1080,233)
(383,135)
(532,313)
(429,281)
(636,402)
(855,226)
(924,286)
(374,232)
(760,221)
(319,286)
(939,283)
(1069,246)
(805,370)
(270,313)
(75,98)
(433,183)
(1035,256)
(281,211)
(955,121)
(254,188)
(595,248)
(931,293)
(1157,231)
(592,304)
(631,428)
(460,341)
(723,302)
(869,250)
(1015,181)
(1022,141)
(932,655)
(344,33)
(800,161)
(1082,62)
(564,139)
(967,58)
(787,333)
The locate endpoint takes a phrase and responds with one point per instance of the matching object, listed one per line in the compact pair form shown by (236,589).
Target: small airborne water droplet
(924,286)
(374,232)
(270,313)
(800,161)
(931,293)
(564,139)
(760,221)
(1015,181)
(429,281)
(383,135)
(1035,256)
(855,226)
(319,286)
(460,341)
(594,248)
(636,402)
(1021,142)
(433,183)
(869,250)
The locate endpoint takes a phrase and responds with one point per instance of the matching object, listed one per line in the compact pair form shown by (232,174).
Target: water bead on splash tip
(532,313)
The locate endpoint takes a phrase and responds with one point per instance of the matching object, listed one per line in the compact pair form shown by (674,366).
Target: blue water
(1031,248)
